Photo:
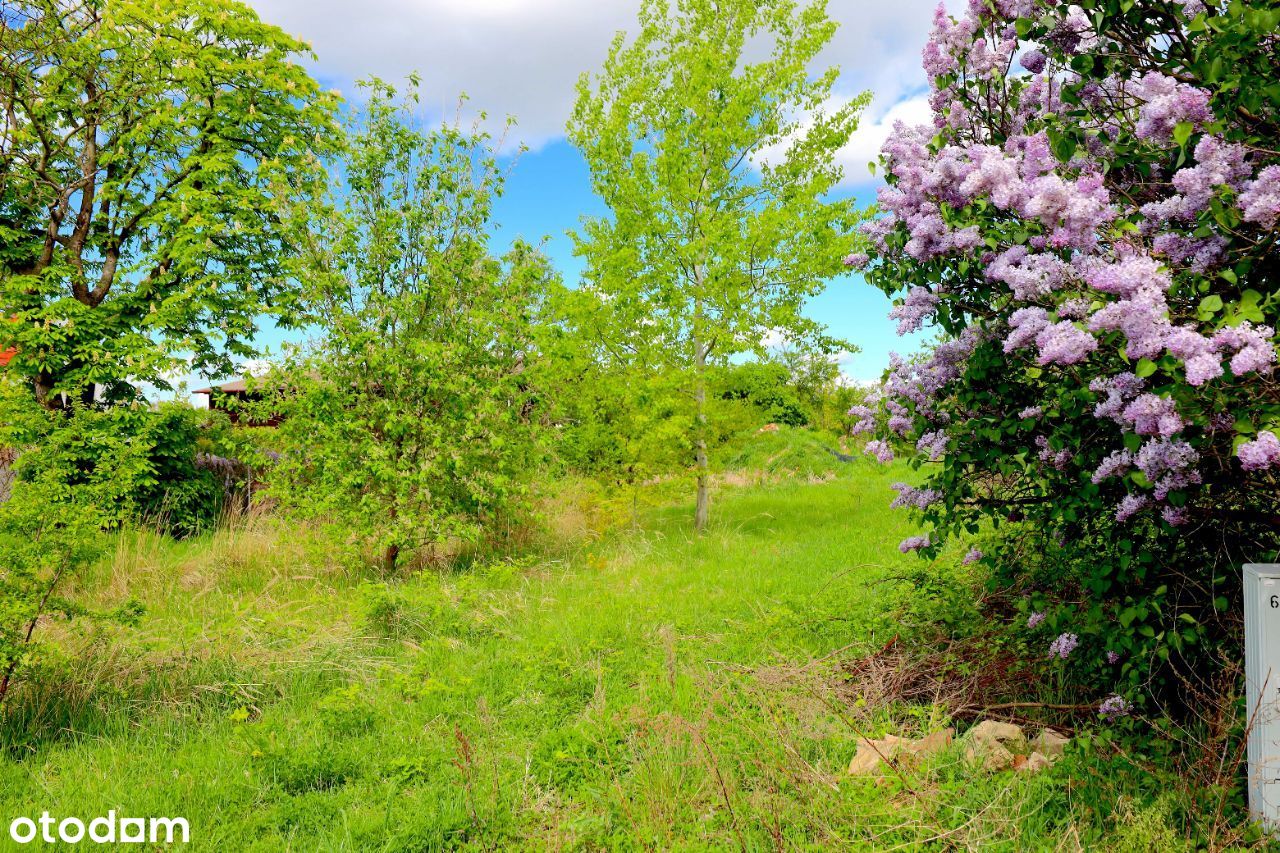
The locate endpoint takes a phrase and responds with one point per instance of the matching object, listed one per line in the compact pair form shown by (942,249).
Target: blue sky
(522,57)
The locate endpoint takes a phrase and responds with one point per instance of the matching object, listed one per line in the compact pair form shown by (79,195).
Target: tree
(715,167)
(1090,221)
(410,421)
(142,146)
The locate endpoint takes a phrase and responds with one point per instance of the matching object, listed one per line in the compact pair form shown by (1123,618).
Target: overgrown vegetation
(452,599)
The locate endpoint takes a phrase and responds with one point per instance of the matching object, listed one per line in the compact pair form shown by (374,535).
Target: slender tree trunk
(702,515)
(389,559)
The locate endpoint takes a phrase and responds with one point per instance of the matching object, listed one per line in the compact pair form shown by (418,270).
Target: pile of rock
(992,744)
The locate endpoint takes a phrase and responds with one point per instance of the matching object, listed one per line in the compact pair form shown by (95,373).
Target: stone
(1034,763)
(990,754)
(993,730)
(989,742)
(1050,744)
(872,753)
(931,744)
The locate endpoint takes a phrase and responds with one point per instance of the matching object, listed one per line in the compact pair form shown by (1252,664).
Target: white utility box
(1262,689)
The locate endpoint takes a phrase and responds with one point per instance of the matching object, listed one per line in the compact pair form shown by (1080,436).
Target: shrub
(130,462)
(1089,221)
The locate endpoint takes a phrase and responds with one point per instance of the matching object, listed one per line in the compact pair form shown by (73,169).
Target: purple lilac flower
(880,450)
(1115,465)
(1199,354)
(972,557)
(1025,324)
(1063,646)
(1130,507)
(1260,200)
(1035,619)
(1033,60)
(1254,350)
(910,496)
(1150,414)
(1261,453)
(1120,389)
(1113,708)
(933,444)
(1058,459)
(1028,275)
(1126,277)
(1143,319)
(1168,464)
(1074,309)
(1175,515)
(915,309)
(1064,343)
(857,261)
(1167,103)
(1113,658)
(866,419)
(913,543)
(1031,412)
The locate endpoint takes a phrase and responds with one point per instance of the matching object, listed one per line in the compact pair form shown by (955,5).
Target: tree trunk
(389,559)
(702,515)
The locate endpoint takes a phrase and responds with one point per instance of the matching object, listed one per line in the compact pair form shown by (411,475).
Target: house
(233,398)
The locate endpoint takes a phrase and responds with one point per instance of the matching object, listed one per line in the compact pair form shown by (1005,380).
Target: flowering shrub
(1089,223)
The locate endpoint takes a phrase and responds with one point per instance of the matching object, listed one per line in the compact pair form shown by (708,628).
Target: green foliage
(128,462)
(767,388)
(145,147)
(410,422)
(48,534)
(700,257)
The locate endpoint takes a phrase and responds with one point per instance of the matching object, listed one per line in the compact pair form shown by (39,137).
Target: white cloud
(872,131)
(522,57)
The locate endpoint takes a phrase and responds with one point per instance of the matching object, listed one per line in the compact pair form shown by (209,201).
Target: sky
(521,58)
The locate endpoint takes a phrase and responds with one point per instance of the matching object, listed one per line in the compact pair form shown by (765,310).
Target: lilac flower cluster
(1083,270)
(1058,459)
(880,450)
(1130,506)
(1166,103)
(865,419)
(910,496)
(913,543)
(915,309)
(933,445)
(973,556)
(1260,201)
(1035,619)
(1261,453)
(1114,707)
(1063,646)
(1029,275)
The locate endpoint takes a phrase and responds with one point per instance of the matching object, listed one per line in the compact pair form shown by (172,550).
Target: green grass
(648,689)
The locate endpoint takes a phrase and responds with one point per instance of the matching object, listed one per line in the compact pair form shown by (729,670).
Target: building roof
(7,356)
(237,387)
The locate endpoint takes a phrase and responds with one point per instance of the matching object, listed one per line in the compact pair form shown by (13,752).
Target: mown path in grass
(656,690)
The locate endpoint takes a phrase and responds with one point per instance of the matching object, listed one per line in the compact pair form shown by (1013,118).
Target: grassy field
(640,689)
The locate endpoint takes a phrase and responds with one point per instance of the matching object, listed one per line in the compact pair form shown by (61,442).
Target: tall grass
(622,686)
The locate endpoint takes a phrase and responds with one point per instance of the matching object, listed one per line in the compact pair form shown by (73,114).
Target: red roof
(7,356)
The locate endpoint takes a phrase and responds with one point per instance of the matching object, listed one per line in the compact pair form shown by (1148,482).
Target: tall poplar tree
(714,151)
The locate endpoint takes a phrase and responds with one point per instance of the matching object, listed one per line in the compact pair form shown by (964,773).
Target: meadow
(621,685)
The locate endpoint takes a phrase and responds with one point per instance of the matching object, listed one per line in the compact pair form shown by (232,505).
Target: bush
(135,464)
(1095,241)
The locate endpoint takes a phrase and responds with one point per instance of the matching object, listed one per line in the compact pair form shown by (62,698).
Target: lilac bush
(1088,224)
